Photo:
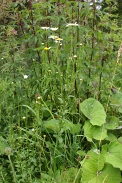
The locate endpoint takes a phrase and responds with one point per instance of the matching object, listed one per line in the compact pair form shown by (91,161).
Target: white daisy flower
(54,28)
(45,28)
(53,37)
(72,24)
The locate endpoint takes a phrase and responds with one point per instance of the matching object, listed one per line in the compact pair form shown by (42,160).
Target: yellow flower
(46,48)
(59,39)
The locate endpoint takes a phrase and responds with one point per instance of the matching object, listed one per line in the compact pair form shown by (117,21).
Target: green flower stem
(47,108)
(12,168)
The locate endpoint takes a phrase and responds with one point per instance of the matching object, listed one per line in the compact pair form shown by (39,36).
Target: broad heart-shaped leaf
(111,137)
(91,165)
(94,132)
(94,170)
(52,125)
(112,123)
(94,111)
(113,154)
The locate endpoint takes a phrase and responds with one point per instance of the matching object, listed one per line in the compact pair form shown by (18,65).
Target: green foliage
(60,63)
(52,124)
(97,167)
(3,145)
(113,154)
(101,166)
(112,123)
(93,110)
(116,101)
(94,132)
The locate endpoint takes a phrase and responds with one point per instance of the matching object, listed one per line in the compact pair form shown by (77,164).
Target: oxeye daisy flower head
(59,39)
(47,48)
(45,28)
(53,37)
(54,28)
(72,24)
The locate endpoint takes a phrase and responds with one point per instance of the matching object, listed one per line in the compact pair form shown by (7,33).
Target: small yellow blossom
(59,39)
(47,48)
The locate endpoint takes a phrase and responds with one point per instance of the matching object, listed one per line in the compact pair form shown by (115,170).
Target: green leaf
(113,155)
(94,111)
(52,125)
(94,132)
(109,174)
(111,137)
(81,153)
(112,123)
(116,101)
(76,128)
(120,139)
(91,165)
(73,128)
(94,170)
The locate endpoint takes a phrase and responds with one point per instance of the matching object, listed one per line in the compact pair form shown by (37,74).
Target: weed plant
(60,92)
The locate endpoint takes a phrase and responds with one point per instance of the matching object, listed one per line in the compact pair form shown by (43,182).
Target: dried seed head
(7,151)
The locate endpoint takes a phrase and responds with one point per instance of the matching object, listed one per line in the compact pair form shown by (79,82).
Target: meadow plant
(60,91)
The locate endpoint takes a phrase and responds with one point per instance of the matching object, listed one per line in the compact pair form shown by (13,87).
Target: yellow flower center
(46,48)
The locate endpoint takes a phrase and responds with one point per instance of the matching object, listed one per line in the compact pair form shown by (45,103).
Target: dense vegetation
(60,92)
